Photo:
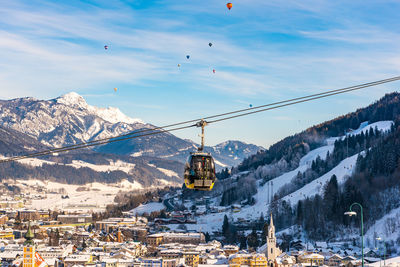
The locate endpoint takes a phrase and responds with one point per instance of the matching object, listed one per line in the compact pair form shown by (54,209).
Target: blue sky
(263,51)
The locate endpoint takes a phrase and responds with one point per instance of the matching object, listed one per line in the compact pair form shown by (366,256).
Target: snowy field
(392,262)
(89,197)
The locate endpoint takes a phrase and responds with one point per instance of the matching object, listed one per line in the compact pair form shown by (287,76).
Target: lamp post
(351,213)
(384,250)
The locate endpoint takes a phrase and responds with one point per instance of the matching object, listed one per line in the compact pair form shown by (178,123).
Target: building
(3,219)
(272,251)
(334,260)
(11,204)
(151,262)
(285,260)
(312,259)
(7,234)
(28,215)
(256,260)
(182,238)
(74,219)
(154,240)
(169,254)
(29,249)
(191,258)
(230,249)
(82,259)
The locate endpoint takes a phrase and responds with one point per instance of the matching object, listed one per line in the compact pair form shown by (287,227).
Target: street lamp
(351,213)
(384,251)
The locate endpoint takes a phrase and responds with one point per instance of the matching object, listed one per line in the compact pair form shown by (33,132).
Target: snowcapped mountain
(64,120)
(231,153)
(68,120)
(30,125)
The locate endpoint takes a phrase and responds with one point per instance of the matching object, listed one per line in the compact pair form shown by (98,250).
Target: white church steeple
(272,250)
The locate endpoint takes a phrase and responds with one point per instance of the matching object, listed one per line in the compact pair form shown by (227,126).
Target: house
(354,263)
(77,259)
(334,260)
(239,259)
(370,253)
(285,260)
(311,259)
(347,259)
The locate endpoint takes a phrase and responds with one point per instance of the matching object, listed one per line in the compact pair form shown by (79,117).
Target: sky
(263,51)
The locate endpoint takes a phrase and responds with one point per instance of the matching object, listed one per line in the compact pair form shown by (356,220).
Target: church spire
(271,222)
(29,236)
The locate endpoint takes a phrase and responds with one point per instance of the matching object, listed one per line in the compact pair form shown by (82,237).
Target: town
(32,237)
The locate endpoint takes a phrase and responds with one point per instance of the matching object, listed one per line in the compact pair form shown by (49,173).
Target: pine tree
(331,198)
(226,229)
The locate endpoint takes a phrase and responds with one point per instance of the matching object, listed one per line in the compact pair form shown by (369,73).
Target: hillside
(28,125)
(316,175)
(68,120)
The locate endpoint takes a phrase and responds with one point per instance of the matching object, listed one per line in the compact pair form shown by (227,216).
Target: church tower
(29,248)
(272,250)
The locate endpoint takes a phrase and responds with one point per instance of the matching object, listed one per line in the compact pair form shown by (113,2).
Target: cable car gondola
(200,168)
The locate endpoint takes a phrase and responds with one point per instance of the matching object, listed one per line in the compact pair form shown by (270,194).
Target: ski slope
(213,221)
(344,169)
(382,126)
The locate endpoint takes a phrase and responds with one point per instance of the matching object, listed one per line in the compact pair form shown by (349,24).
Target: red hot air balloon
(213,71)
(229,6)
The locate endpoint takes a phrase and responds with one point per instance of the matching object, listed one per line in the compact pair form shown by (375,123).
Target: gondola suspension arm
(202,123)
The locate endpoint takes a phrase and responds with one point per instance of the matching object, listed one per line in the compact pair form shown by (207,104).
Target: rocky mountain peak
(72,99)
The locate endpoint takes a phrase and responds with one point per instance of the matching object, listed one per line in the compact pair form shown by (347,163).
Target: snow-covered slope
(148,208)
(64,120)
(213,222)
(387,228)
(69,119)
(110,114)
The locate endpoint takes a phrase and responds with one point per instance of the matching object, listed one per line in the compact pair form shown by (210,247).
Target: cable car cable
(55,150)
(99,141)
(128,135)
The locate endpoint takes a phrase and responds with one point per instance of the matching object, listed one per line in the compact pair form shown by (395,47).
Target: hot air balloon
(187,56)
(213,71)
(229,6)
(106,47)
(179,65)
(251,105)
(115,89)
(209,44)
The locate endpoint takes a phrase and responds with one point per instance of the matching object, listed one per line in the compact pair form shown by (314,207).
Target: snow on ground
(168,172)
(364,127)
(213,222)
(136,154)
(93,196)
(263,195)
(149,208)
(387,228)
(383,126)
(165,171)
(392,262)
(114,166)
(342,170)
(220,163)
(35,162)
